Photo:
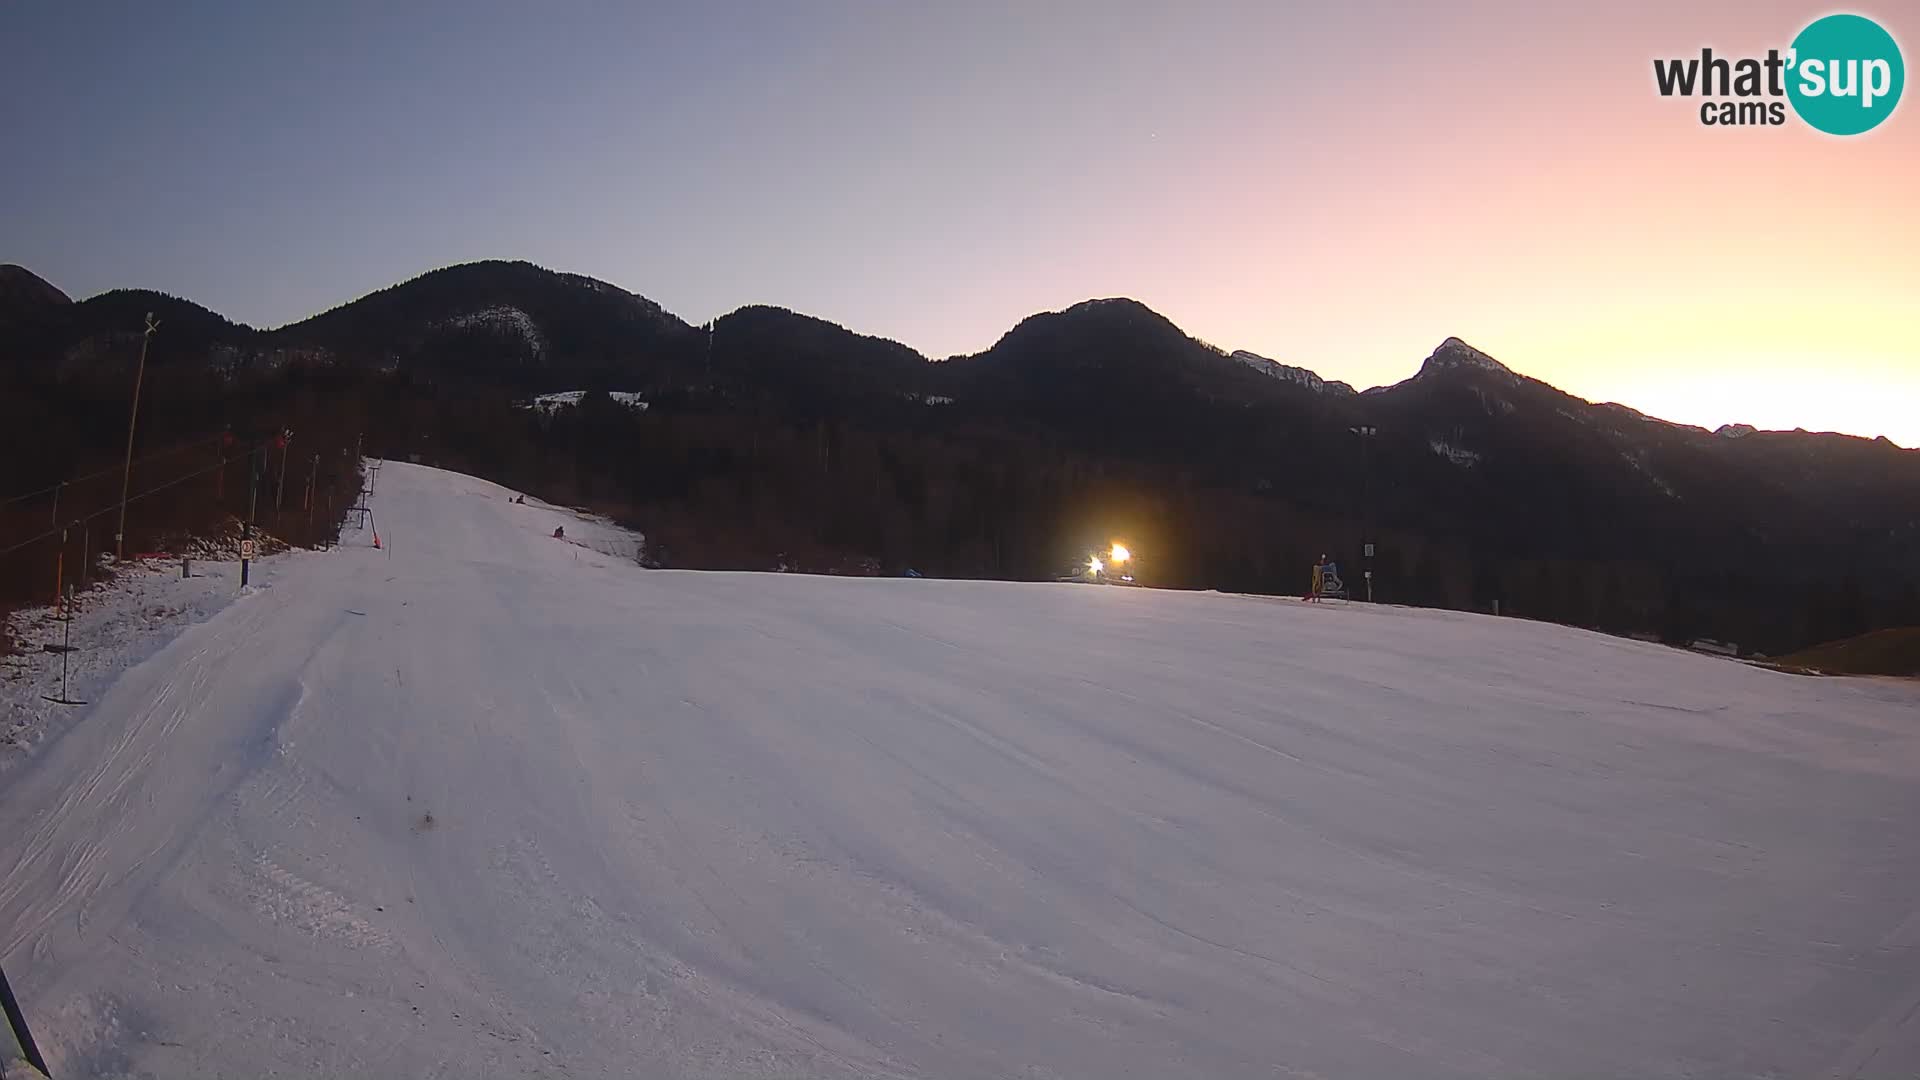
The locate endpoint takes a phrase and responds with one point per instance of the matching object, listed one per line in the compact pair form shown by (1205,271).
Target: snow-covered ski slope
(489,804)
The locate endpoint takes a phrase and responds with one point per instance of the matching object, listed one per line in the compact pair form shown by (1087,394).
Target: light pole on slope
(1367,434)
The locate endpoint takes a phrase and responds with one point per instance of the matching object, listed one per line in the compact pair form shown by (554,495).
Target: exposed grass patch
(1882,652)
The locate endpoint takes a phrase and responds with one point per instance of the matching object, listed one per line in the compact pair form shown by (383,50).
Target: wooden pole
(133,418)
(280,488)
(59,558)
(253,501)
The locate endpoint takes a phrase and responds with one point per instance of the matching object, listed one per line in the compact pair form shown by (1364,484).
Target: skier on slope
(559,532)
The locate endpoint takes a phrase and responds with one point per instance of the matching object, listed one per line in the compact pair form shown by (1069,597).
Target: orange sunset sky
(1339,186)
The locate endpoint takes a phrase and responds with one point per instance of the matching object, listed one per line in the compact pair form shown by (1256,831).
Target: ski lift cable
(115,506)
(11,499)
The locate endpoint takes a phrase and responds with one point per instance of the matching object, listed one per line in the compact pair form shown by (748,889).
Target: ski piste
(483,803)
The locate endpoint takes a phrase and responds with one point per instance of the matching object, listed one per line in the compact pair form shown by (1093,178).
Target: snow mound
(117,624)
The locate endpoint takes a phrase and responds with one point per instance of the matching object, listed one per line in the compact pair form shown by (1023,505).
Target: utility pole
(253,502)
(59,560)
(59,569)
(280,488)
(126,478)
(313,477)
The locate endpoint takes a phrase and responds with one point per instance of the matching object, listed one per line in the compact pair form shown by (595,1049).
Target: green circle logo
(1845,74)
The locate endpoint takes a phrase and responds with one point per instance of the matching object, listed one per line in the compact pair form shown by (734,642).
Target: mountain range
(1482,487)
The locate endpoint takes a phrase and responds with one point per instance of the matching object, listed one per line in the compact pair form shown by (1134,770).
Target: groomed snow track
(488,804)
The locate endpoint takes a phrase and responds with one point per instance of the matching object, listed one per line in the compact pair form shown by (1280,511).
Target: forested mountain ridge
(773,438)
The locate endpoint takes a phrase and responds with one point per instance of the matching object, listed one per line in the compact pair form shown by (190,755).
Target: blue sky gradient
(1339,186)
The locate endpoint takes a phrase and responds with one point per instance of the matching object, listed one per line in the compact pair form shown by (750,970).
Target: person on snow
(559,532)
(1319,575)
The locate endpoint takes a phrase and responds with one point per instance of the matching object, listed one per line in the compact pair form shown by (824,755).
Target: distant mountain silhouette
(1482,486)
(24,293)
(510,321)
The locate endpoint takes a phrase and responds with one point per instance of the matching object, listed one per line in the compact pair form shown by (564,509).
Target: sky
(1339,186)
